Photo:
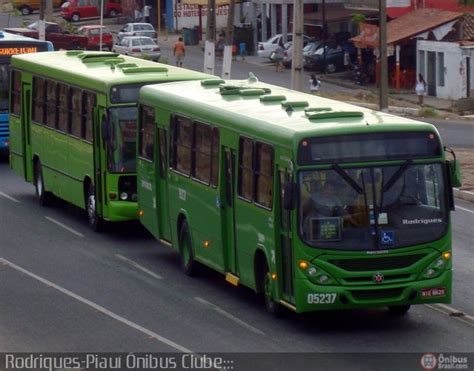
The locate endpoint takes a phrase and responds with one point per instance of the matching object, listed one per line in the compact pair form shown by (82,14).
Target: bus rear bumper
(311,297)
(122,211)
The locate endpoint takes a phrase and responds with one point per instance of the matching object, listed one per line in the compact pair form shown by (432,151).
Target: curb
(393,109)
(464,195)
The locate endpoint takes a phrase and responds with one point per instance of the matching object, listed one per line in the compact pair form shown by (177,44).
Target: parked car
(309,49)
(73,10)
(60,38)
(92,32)
(332,62)
(138,46)
(137,29)
(27,7)
(266,48)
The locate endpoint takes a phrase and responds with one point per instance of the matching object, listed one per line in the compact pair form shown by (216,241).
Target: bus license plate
(429,293)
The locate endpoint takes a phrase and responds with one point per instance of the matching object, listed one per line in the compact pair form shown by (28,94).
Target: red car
(60,38)
(75,10)
(92,32)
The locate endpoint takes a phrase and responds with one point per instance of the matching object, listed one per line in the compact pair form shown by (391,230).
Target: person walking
(420,89)
(146,13)
(179,52)
(314,84)
(279,52)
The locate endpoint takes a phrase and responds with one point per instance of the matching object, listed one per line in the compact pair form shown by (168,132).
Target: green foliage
(427,112)
(466,2)
(358,18)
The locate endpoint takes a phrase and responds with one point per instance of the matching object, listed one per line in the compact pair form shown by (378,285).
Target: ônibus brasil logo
(428,361)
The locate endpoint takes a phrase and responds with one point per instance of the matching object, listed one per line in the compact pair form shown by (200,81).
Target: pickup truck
(60,38)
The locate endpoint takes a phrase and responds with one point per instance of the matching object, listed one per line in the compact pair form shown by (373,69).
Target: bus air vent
(310,110)
(127,65)
(334,115)
(272,98)
(97,56)
(114,61)
(212,82)
(291,105)
(376,264)
(251,92)
(74,52)
(144,70)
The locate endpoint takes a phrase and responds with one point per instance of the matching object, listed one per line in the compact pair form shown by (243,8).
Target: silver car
(138,46)
(137,29)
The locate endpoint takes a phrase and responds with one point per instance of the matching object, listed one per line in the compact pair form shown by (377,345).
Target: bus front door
(229,213)
(286,251)
(99,148)
(25,131)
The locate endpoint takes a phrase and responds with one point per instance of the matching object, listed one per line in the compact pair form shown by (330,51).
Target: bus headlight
(123,196)
(436,267)
(134,197)
(316,274)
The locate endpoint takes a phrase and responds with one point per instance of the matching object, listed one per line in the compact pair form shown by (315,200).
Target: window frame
(141,131)
(15,94)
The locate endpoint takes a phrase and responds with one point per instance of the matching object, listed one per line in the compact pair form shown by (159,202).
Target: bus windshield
(4,82)
(121,151)
(372,208)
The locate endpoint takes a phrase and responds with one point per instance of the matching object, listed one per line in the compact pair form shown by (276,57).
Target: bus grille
(374,264)
(377,294)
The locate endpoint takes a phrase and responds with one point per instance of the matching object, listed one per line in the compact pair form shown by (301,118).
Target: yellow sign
(18,50)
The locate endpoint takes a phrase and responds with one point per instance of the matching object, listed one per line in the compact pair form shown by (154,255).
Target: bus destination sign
(7,51)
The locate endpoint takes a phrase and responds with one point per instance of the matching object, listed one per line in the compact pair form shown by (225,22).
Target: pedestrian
(137,14)
(420,89)
(314,84)
(179,52)
(242,50)
(278,57)
(146,13)
(347,60)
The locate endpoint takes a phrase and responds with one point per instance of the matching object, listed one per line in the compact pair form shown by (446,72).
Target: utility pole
(297,57)
(383,56)
(209,49)
(324,35)
(229,37)
(49,10)
(42,25)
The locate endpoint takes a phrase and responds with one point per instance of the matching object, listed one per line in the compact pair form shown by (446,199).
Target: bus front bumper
(121,211)
(311,297)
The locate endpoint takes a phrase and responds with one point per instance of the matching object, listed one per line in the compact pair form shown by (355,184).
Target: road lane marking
(99,308)
(452,312)
(138,266)
(229,316)
(8,197)
(52,220)
(464,209)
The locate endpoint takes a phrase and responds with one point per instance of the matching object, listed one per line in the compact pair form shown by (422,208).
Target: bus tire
(186,250)
(399,310)
(271,305)
(94,219)
(45,198)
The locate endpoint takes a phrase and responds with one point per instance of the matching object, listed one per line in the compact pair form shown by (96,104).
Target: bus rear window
(125,93)
(368,147)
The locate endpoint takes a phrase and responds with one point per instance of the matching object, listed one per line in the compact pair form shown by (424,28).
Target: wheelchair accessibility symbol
(387,238)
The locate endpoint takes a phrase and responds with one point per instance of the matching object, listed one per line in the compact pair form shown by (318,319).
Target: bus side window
(16,92)
(245,185)
(38,100)
(51,103)
(183,143)
(202,152)
(147,133)
(63,100)
(88,103)
(75,112)
(264,175)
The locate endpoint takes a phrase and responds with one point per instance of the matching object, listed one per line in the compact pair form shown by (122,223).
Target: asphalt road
(65,288)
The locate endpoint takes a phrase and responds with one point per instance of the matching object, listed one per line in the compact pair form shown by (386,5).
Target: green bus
(314,203)
(73,131)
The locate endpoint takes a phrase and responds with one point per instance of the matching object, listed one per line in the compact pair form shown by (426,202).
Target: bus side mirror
(289,196)
(454,168)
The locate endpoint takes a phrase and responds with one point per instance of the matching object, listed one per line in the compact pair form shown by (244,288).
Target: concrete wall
(455,71)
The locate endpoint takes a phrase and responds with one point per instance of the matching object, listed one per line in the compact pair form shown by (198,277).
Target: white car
(267,47)
(138,46)
(137,29)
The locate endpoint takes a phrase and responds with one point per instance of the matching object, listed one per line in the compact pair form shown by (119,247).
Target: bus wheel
(271,306)
(186,249)
(44,197)
(94,220)
(399,310)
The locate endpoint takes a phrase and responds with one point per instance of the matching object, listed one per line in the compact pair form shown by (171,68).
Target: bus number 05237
(321,298)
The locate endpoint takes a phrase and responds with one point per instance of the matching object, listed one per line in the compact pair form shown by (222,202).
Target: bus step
(232,279)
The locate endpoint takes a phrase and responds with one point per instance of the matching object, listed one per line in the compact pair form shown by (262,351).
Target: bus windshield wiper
(396,176)
(348,179)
